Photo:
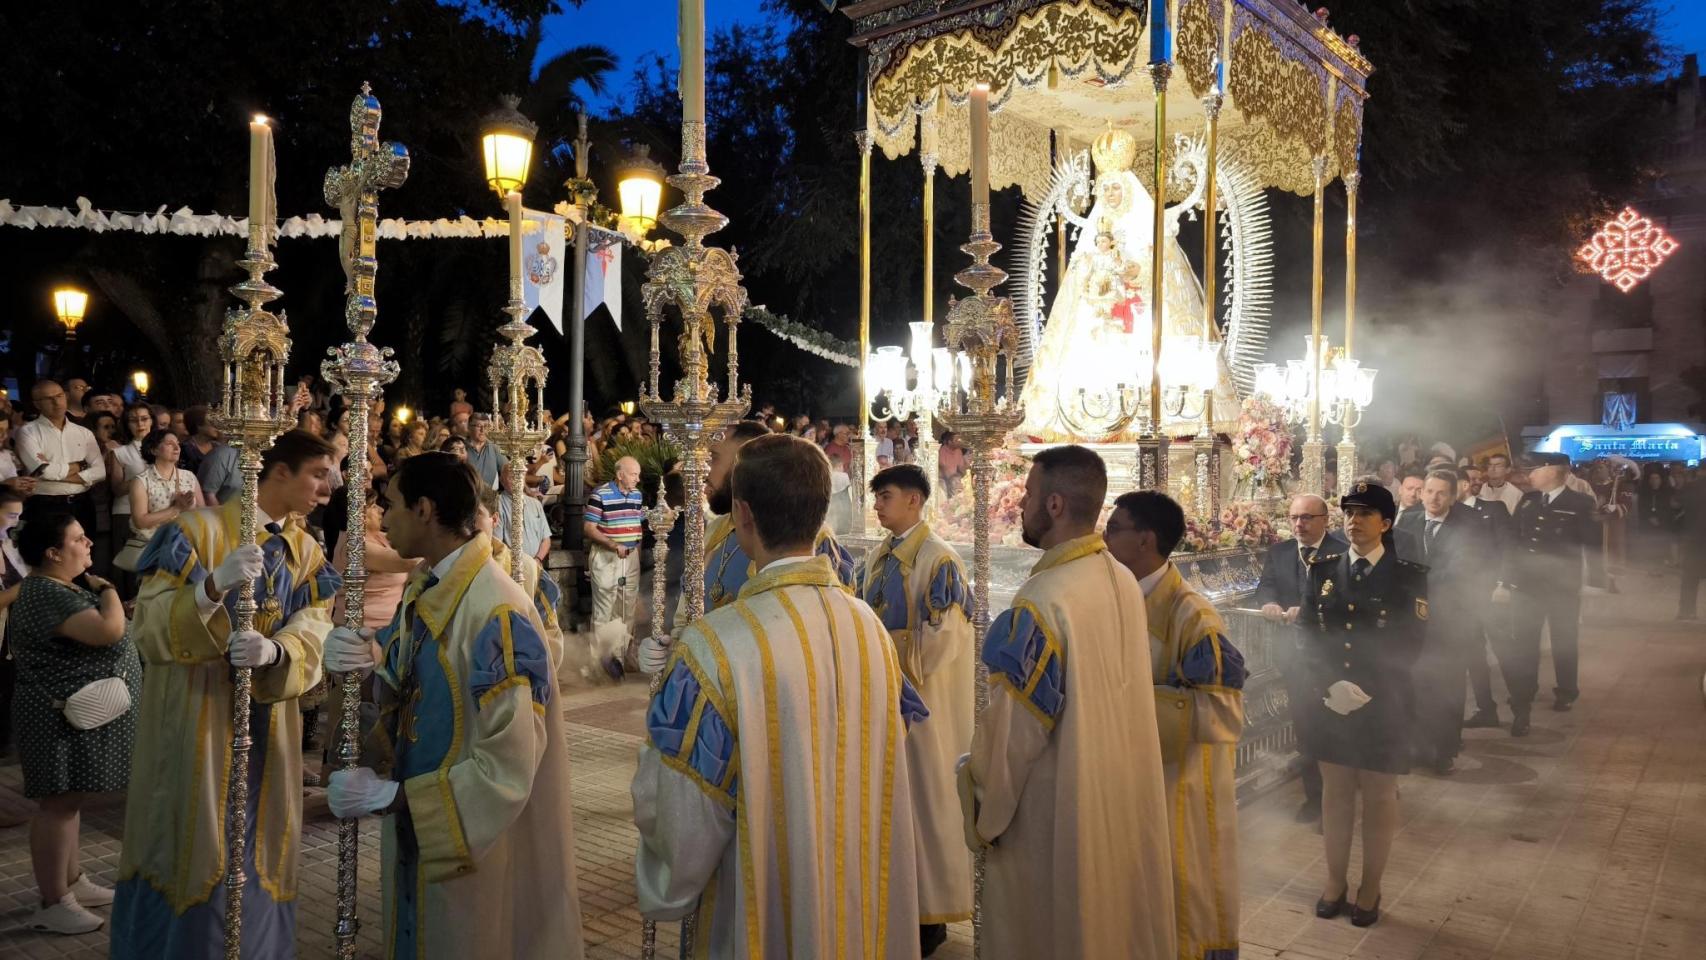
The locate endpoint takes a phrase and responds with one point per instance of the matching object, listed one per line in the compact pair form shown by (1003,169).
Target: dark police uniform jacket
(1544,551)
(1368,629)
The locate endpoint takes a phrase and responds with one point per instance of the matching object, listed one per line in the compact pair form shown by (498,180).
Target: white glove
(247,648)
(1501,594)
(1345,697)
(359,792)
(242,565)
(1272,612)
(349,651)
(653,654)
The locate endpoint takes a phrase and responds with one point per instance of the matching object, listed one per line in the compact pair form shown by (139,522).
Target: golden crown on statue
(1114,151)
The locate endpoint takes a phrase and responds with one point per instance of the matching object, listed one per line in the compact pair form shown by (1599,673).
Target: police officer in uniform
(1369,610)
(1550,528)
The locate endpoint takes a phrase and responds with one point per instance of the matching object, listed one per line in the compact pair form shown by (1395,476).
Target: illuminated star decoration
(1627,249)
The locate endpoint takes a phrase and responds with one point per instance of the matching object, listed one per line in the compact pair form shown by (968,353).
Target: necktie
(1361,567)
(1428,538)
(274,529)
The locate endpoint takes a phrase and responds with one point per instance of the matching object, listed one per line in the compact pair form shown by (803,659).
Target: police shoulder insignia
(1421,609)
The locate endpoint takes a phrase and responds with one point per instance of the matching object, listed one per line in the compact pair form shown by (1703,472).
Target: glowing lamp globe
(404,415)
(69,304)
(140,381)
(507,147)
(641,189)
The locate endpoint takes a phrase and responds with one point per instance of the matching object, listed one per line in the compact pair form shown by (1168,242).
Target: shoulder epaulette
(1412,565)
(1324,558)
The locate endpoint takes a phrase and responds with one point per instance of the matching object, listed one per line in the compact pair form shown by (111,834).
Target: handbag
(96,704)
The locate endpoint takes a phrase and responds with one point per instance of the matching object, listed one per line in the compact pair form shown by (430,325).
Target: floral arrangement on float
(1240,526)
(1261,449)
(1006,494)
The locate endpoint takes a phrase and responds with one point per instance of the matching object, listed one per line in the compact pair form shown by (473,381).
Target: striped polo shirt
(617,514)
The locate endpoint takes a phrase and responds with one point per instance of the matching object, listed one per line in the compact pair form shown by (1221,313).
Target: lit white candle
(980,144)
(515,216)
(260,150)
(692,40)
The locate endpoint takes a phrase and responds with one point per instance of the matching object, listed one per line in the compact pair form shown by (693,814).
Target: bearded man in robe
(1064,786)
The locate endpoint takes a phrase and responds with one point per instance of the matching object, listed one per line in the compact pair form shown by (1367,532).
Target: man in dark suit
(1460,547)
(1549,531)
(1281,594)
(1693,501)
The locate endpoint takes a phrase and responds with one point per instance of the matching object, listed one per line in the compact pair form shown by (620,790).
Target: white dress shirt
(786,561)
(1147,584)
(1373,556)
(128,457)
(40,442)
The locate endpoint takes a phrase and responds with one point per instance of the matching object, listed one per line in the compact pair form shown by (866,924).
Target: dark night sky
(634,28)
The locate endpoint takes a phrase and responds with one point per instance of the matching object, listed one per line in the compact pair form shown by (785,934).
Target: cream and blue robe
(917,588)
(1067,764)
(481,863)
(547,597)
(171,897)
(1199,709)
(727,567)
(771,795)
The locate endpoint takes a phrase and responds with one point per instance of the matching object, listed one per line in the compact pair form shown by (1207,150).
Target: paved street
(1585,840)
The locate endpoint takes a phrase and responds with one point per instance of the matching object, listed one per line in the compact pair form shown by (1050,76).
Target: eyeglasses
(1300,517)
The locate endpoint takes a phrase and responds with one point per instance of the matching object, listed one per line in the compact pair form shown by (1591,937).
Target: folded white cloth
(1345,697)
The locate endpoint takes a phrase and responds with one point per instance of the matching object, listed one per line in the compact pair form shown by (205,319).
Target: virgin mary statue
(1098,335)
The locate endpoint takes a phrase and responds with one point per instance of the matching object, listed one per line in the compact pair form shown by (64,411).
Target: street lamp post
(639,189)
(516,371)
(69,305)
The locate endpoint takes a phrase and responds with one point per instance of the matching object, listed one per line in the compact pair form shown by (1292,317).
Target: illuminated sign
(1627,249)
(1644,441)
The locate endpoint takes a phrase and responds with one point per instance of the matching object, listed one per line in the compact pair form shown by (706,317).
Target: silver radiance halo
(1243,222)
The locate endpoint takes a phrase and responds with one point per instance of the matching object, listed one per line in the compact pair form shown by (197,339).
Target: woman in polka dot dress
(67,630)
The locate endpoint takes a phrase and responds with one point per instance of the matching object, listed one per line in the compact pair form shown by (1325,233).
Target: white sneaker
(67,917)
(89,893)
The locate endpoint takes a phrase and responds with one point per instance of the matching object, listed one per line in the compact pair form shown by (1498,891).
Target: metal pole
(862,447)
(574,481)
(929,451)
(1207,457)
(1347,449)
(1314,451)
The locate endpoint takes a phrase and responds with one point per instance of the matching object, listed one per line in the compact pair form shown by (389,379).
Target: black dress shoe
(1328,909)
(931,936)
(1562,701)
(1519,724)
(1309,812)
(1366,918)
(1445,766)
(1483,718)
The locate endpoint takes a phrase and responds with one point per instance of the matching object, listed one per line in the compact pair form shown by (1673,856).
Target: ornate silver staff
(981,328)
(254,346)
(694,279)
(660,519)
(359,370)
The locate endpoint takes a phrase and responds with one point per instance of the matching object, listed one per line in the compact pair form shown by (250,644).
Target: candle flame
(261,118)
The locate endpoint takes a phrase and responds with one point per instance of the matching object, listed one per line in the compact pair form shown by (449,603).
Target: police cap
(1371,495)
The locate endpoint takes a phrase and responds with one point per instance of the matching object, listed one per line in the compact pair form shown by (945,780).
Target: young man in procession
(170,898)
(1459,544)
(772,796)
(1199,709)
(727,566)
(478,844)
(1064,782)
(916,585)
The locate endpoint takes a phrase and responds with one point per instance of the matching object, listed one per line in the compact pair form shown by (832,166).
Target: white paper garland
(771,322)
(185,222)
